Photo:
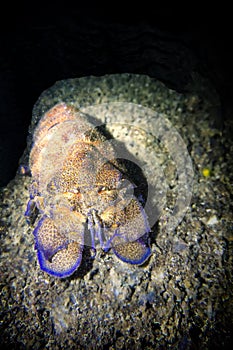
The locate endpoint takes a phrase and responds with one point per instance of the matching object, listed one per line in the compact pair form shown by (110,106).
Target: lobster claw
(57,254)
(130,241)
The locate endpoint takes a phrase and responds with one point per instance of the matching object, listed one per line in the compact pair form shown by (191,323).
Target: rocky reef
(181,297)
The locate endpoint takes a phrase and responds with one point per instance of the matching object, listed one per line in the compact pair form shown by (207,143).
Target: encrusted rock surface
(182,297)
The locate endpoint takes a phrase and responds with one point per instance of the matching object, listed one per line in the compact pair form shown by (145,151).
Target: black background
(43,43)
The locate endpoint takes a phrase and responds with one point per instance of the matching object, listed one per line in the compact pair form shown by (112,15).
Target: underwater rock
(182,296)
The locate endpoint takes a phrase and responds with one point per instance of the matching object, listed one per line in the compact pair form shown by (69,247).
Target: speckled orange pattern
(77,184)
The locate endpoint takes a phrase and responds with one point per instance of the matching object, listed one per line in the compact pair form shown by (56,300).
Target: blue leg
(99,230)
(107,246)
(30,211)
(92,231)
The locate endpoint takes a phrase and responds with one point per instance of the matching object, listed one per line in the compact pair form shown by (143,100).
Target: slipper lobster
(82,194)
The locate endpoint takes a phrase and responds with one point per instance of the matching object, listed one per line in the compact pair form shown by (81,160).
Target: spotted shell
(83,195)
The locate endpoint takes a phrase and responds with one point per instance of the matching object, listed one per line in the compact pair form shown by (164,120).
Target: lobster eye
(101,189)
